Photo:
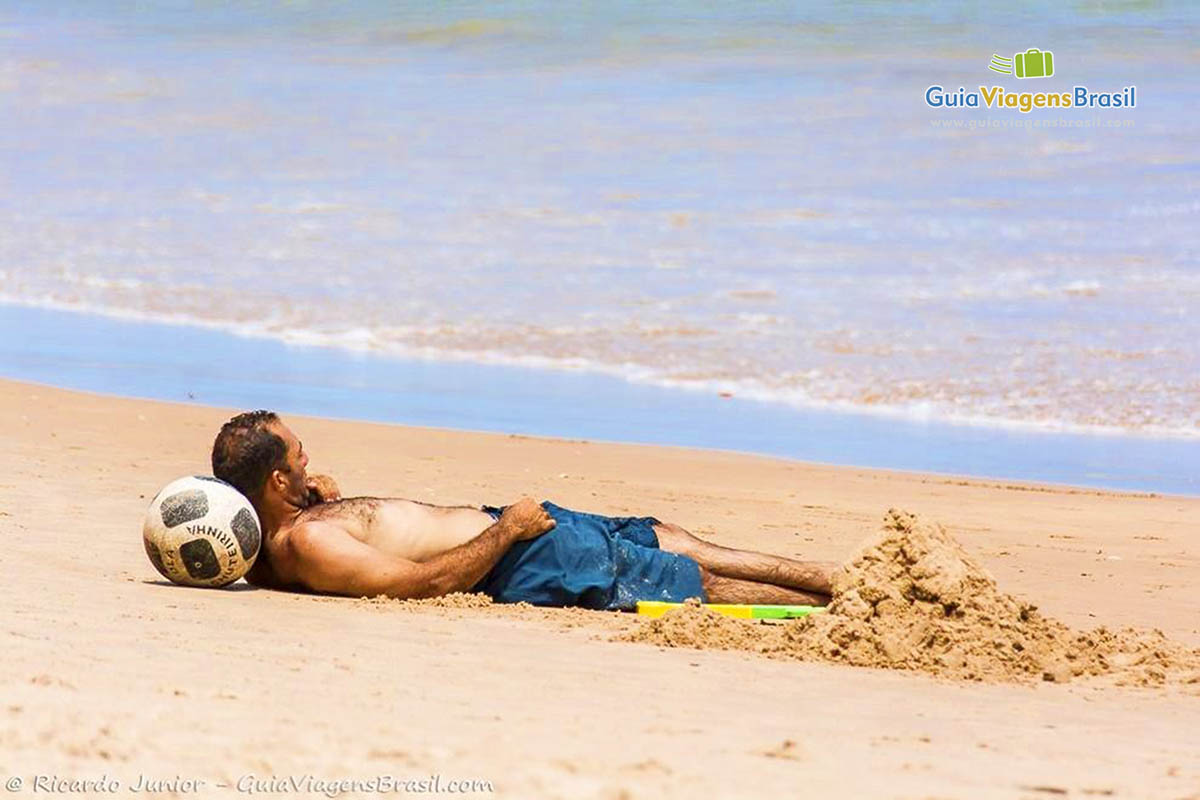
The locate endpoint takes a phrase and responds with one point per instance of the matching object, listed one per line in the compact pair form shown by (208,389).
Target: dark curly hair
(245,452)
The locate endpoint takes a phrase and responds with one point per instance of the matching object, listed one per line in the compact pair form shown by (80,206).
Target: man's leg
(813,577)
(734,590)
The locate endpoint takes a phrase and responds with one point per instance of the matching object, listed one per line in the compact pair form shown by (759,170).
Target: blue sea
(725,205)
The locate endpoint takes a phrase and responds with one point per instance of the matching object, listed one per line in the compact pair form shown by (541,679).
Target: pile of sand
(913,599)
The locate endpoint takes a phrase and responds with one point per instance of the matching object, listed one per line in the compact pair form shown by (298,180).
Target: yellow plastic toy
(653,608)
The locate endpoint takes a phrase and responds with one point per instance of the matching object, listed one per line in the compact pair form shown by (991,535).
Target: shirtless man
(315,540)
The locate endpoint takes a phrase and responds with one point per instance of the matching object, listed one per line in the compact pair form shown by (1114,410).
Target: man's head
(260,455)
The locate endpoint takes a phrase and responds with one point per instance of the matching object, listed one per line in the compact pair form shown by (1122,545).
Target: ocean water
(742,199)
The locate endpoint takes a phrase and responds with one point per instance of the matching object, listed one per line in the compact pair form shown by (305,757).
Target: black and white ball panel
(199,559)
(183,507)
(245,528)
(155,556)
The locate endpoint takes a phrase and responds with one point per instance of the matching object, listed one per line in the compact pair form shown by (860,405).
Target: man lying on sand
(316,540)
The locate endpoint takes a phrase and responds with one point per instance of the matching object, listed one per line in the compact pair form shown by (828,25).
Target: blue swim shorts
(591,561)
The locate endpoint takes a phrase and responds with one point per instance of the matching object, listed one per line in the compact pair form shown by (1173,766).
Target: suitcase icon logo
(1033,63)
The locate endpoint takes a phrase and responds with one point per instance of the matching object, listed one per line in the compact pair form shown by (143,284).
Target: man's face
(295,476)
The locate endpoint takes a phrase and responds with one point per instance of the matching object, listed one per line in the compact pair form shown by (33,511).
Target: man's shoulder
(305,535)
(293,547)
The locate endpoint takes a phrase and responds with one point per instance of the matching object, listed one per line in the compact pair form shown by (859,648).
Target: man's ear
(279,481)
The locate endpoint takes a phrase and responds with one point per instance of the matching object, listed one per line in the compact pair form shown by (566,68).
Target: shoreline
(104,660)
(350,344)
(98,353)
(948,478)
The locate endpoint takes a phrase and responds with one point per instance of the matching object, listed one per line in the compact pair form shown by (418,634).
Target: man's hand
(527,518)
(322,489)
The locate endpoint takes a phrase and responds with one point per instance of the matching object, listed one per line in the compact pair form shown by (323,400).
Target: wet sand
(107,670)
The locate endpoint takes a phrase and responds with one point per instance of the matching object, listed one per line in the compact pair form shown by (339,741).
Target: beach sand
(110,671)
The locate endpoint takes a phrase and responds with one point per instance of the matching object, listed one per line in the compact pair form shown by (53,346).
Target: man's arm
(330,560)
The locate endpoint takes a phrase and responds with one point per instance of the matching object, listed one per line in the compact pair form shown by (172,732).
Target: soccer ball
(201,531)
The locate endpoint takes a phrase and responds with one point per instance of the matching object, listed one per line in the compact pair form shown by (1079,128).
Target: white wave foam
(366,340)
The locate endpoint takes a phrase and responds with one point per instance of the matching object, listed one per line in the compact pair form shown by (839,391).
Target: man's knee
(675,539)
